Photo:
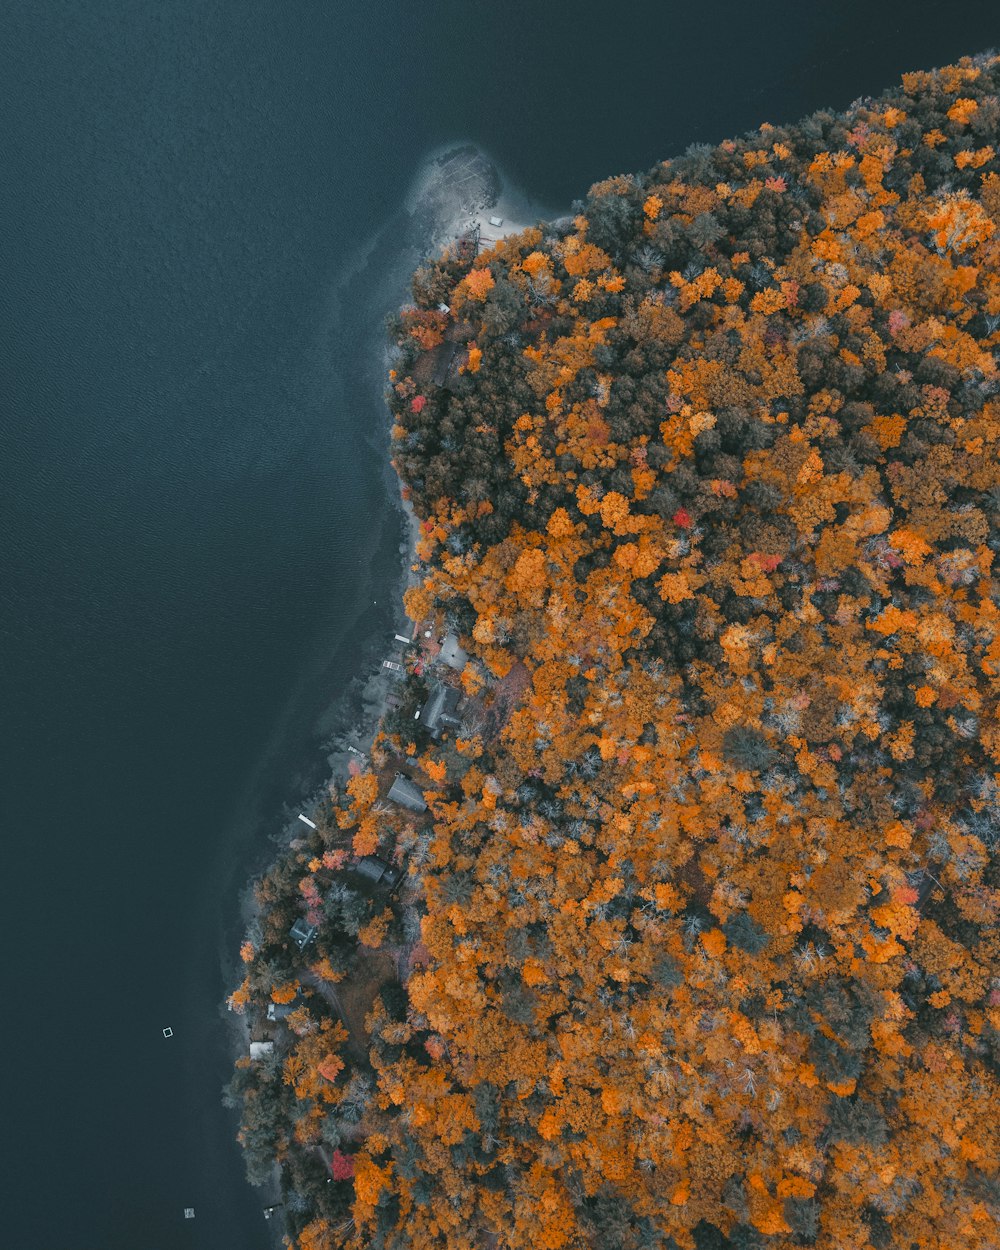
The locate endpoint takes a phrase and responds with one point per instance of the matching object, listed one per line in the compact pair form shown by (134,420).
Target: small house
(452,654)
(281,1011)
(261,1050)
(438,713)
(375,874)
(443,363)
(302,933)
(406,794)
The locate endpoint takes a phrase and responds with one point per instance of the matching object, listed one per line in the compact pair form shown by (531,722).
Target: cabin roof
(375,872)
(443,362)
(406,794)
(281,1011)
(438,712)
(452,653)
(371,868)
(302,933)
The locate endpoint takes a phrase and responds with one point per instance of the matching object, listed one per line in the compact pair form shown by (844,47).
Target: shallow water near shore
(207,211)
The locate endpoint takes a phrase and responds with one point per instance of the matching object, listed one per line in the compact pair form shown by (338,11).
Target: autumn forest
(696,944)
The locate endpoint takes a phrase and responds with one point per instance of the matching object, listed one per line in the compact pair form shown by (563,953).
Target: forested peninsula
(679,929)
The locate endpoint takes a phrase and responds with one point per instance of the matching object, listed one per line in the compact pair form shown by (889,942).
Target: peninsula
(662,911)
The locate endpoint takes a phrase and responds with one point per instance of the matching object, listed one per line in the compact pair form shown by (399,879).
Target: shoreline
(350,715)
(436,212)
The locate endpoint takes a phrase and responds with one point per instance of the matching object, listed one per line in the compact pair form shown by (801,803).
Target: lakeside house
(438,713)
(302,933)
(375,875)
(261,1050)
(281,1011)
(443,364)
(406,794)
(452,653)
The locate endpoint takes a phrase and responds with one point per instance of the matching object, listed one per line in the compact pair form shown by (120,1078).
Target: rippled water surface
(195,517)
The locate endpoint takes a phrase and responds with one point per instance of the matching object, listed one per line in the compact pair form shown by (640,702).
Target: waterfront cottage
(438,713)
(261,1050)
(302,933)
(452,653)
(406,794)
(375,875)
(442,372)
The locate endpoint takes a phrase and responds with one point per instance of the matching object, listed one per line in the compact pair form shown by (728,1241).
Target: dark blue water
(194,514)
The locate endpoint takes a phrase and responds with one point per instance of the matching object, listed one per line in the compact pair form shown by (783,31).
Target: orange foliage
(708,917)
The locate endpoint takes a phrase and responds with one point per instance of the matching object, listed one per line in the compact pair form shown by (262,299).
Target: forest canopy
(707,477)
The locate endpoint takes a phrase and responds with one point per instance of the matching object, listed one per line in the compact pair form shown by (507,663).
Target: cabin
(261,1050)
(443,362)
(281,1011)
(302,933)
(438,713)
(451,653)
(406,794)
(376,876)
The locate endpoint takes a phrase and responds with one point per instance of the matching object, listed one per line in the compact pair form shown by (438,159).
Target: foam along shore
(456,189)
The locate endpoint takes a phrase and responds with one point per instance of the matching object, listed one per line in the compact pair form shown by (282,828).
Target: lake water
(195,517)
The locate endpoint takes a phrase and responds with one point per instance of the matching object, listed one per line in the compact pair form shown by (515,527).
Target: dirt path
(357,1052)
(352,998)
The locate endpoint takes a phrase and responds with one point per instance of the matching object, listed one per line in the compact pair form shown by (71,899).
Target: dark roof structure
(302,933)
(438,713)
(406,794)
(375,873)
(443,363)
(281,1011)
(452,653)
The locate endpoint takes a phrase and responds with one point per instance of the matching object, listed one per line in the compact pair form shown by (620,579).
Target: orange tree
(711,915)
